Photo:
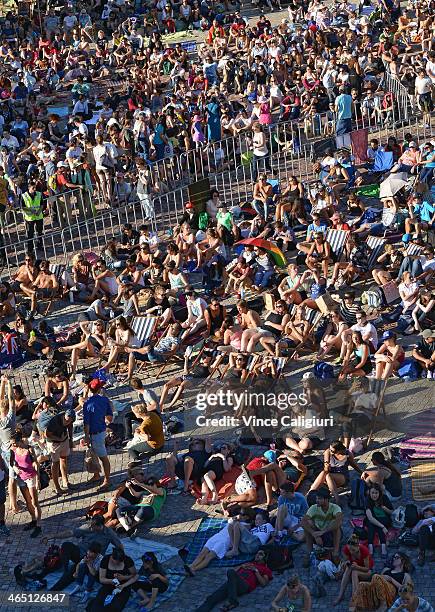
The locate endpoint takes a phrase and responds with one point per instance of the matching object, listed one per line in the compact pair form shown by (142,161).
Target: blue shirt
(316,228)
(425,210)
(296,506)
(95,409)
(343,104)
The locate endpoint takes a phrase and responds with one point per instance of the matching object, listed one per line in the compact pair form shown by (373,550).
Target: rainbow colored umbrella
(269,246)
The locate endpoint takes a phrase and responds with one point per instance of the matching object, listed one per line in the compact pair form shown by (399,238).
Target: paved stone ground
(180,518)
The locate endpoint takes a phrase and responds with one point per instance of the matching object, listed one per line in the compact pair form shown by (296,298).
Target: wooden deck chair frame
(314,318)
(379,387)
(57,270)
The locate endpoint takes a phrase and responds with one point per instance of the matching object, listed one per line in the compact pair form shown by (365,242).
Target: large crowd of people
(325,277)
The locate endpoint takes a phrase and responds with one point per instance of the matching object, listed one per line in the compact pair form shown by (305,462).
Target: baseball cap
(62,164)
(412,144)
(428,333)
(270,455)
(190,205)
(387,335)
(308,376)
(96,384)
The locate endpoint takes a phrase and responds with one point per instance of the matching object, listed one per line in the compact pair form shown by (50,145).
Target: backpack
(202,221)
(98,508)
(279,558)
(358,500)
(52,558)
(408,538)
(323,370)
(115,435)
(411,515)
(373,297)
(408,369)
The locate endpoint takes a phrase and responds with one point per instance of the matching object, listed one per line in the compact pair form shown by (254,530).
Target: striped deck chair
(57,270)
(377,387)
(377,246)
(144,329)
(189,346)
(337,239)
(313,317)
(414,249)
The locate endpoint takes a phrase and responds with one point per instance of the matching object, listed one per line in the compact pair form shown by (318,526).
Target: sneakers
(4,530)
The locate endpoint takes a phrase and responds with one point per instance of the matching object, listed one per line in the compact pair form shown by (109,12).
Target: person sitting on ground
(240,581)
(408,600)
(335,474)
(358,566)
(294,595)
(148,436)
(247,540)
(292,506)
(152,580)
(426,534)
(381,591)
(116,575)
(188,467)
(378,517)
(357,361)
(385,474)
(88,568)
(322,525)
(148,502)
(424,353)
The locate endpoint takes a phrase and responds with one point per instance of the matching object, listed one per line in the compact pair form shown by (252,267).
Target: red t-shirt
(363,554)
(249,576)
(255,464)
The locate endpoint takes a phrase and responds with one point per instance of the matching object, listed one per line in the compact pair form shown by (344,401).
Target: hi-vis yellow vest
(32,210)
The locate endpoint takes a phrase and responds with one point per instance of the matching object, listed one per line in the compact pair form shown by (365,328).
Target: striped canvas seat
(57,270)
(337,240)
(143,328)
(377,246)
(414,249)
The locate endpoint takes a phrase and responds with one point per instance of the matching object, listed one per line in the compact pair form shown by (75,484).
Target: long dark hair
(150,557)
(381,460)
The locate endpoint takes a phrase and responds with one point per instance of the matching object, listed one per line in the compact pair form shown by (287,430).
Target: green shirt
(225,219)
(322,519)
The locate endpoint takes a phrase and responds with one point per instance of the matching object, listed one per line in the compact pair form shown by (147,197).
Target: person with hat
(389,356)
(33,206)
(424,353)
(97,414)
(322,524)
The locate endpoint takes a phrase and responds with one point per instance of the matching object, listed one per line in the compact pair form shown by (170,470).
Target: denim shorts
(98,444)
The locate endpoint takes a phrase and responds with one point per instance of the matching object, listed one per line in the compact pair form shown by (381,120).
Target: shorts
(32,483)
(44,293)
(243,484)
(292,521)
(98,443)
(58,449)
(3,491)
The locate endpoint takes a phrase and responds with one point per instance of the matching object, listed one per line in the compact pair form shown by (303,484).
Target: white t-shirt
(262,532)
(423,85)
(367,330)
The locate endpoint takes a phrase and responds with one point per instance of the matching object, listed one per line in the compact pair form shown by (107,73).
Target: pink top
(25,466)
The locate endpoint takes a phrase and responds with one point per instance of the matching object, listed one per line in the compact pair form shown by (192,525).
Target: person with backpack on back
(54,425)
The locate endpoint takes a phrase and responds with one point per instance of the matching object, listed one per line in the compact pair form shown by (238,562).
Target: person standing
(97,414)
(343,108)
(34,205)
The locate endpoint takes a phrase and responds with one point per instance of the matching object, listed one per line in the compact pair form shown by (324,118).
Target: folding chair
(188,346)
(377,246)
(414,249)
(378,387)
(57,270)
(337,240)
(144,329)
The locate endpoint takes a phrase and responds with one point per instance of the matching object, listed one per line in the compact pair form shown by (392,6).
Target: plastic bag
(91,461)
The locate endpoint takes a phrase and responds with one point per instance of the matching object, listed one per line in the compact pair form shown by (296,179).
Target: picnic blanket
(223,486)
(209,527)
(135,548)
(421,441)
(422,480)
